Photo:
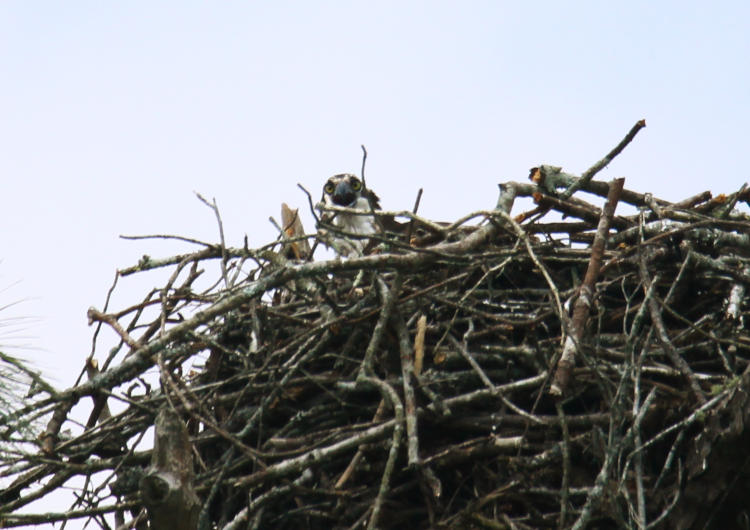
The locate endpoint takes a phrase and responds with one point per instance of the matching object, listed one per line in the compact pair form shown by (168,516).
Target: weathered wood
(167,487)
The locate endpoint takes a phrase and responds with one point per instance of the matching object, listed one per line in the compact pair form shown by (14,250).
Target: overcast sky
(113,113)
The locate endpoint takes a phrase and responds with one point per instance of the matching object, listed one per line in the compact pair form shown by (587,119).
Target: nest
(512,373)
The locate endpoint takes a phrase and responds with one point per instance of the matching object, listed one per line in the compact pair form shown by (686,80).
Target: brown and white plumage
(346,190)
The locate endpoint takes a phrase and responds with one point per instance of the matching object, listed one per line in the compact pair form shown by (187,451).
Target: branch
(586,294)
(593,170)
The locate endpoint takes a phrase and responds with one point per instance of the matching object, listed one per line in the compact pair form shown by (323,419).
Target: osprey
(347,191)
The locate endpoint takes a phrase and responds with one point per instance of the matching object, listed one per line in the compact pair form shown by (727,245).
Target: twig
(323,454)
(410,228)
(565,482)
(586,294)
(388,298)
(167,236)
(364,160)
(726,210)
(240,520)
(419,344)
(222,242)
(474,365)
(573,207)
(593,170)
(94,315)
(20,519)
(410,402)
(663,336)
(310,203)
(99,325)
(736,295)
(389,394)
(637,440)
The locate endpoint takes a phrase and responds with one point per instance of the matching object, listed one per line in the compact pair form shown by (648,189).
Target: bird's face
(342,190)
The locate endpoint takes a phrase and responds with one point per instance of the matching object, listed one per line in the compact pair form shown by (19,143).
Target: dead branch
(585,299)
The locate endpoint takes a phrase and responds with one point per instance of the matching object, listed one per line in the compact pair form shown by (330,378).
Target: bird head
(342,190)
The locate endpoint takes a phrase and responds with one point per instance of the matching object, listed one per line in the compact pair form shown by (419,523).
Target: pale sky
(113,113)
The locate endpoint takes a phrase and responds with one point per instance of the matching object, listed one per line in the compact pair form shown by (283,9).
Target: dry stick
(472,362)
(376,218)
(58,479)
(410,401)
(240,520)
(727,209)
(601,188)
(593,170)
(398,409)
(586,294)
(168,236)
(484,393)
(100,411)
(364,160)
(21,519)
(99,326)
(579,209)
(95,315)
(320,454)
(565,482)
(736,295)
(419,344)
(637,438)
(167,307)
(388,297)
(410,228)
(147,263)
(224,258)
(681,364)
(310,203)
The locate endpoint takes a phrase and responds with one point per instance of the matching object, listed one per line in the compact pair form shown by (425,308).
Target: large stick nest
(411,388)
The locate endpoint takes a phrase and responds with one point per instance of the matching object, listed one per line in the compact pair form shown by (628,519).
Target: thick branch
(586,293)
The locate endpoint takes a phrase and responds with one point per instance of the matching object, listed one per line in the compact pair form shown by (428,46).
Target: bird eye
(328,188)
(356,185)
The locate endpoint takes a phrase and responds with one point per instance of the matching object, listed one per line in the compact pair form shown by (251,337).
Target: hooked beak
(343,195)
